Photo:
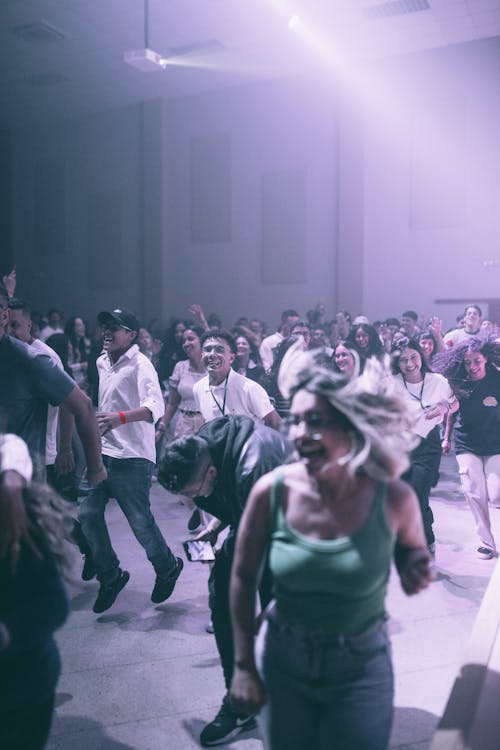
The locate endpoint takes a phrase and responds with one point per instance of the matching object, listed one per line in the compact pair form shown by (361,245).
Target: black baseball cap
(119,317)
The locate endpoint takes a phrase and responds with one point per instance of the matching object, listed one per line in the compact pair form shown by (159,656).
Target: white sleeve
(14,456)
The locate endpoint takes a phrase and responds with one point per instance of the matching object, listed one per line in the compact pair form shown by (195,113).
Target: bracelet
(122,417)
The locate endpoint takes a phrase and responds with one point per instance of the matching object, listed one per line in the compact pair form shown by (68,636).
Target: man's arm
(79,404)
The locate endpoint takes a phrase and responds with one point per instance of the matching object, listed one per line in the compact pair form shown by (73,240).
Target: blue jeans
(324,692)
(129,481)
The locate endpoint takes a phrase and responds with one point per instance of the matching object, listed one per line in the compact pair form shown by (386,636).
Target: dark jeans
(324,691)
(129,481)
(218,587)
(422,476)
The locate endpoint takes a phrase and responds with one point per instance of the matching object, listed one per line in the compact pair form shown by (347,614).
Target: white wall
(431,182)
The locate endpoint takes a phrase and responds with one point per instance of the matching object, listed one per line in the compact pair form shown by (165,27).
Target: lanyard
(418,398)
(222,408)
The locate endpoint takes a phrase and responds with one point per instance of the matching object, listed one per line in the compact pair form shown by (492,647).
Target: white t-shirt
(183,379)
(428,392)
(236,395)
(268,348)
(14,456)
(52,411)
(452,338)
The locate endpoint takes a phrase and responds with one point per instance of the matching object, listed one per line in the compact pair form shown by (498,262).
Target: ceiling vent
(40,32)
(379,11)
(207,46)
(42,80)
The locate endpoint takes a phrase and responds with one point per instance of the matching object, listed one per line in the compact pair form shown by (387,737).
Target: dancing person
(181,401)
(472,317)
(218,467)
(430,399)
(472,368)
(330,524)
(130,403)
(247,361)
(79,351)
(270,343)
(224,391)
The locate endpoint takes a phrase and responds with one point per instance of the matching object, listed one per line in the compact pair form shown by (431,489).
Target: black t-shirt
(29,381)
(477,429)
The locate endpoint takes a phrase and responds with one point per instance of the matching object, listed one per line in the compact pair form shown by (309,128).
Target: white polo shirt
(130,383)
(237,395)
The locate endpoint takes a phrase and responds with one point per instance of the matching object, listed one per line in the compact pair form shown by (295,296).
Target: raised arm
(247,690)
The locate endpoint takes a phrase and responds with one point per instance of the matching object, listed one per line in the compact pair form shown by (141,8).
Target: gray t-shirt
(28,383)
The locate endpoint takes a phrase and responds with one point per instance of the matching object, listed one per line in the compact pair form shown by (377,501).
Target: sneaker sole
(247,726)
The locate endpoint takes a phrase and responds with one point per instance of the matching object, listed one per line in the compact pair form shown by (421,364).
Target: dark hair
(410,314)
(375,348)
(407,343)
(59,342)
(290,313)
(238,332)
(354,351)
(15,303)
(78,344)
(183,461)
(3,293)
(220,333)
(300,324)
(476,307)
(450,363)
(393,322)
(426,334)
(54,310)
(195,328)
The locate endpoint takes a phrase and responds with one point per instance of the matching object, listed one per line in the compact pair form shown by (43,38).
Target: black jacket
(242,451)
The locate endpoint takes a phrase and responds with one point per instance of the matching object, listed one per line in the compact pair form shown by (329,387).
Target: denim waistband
(304,633)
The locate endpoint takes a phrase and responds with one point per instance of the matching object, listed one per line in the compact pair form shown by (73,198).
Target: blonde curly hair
(375,415)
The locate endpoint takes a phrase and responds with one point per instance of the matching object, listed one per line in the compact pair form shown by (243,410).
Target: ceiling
(61,58)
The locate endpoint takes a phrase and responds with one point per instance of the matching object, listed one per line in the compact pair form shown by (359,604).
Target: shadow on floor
(82,734)
(412,728)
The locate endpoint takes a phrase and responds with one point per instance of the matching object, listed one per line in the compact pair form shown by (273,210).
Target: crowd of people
(314,448)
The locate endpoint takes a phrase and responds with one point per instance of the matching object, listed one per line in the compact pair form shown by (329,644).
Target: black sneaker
(165,586)
(195,520)
(107,594)
(226,725)
(88,571)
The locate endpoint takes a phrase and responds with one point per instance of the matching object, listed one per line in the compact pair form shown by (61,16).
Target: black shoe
(107,594)
(195,520)
(88,571)
(226,725)
(165,586)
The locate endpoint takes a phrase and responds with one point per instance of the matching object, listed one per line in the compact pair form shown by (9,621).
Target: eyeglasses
(313,422)
(197,491)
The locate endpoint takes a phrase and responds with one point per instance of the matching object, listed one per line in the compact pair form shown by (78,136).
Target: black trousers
(27,728)
(218,588)
(422,476)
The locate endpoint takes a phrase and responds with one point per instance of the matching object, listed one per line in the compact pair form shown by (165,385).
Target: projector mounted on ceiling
(145,60)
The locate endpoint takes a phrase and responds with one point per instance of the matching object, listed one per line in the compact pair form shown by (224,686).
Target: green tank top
(335,585)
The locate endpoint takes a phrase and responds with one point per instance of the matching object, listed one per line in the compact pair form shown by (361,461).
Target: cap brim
(105,318)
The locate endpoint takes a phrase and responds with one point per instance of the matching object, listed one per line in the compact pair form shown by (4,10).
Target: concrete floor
(146,677)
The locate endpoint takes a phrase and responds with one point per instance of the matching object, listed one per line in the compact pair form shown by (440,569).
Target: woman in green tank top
(321,673)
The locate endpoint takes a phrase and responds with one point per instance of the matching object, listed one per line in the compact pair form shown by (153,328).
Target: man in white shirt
(472,327)
(54,324)
(130,403)
(224,391)
(271,343)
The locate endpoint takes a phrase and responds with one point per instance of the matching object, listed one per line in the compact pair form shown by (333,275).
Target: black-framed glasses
(196,492)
